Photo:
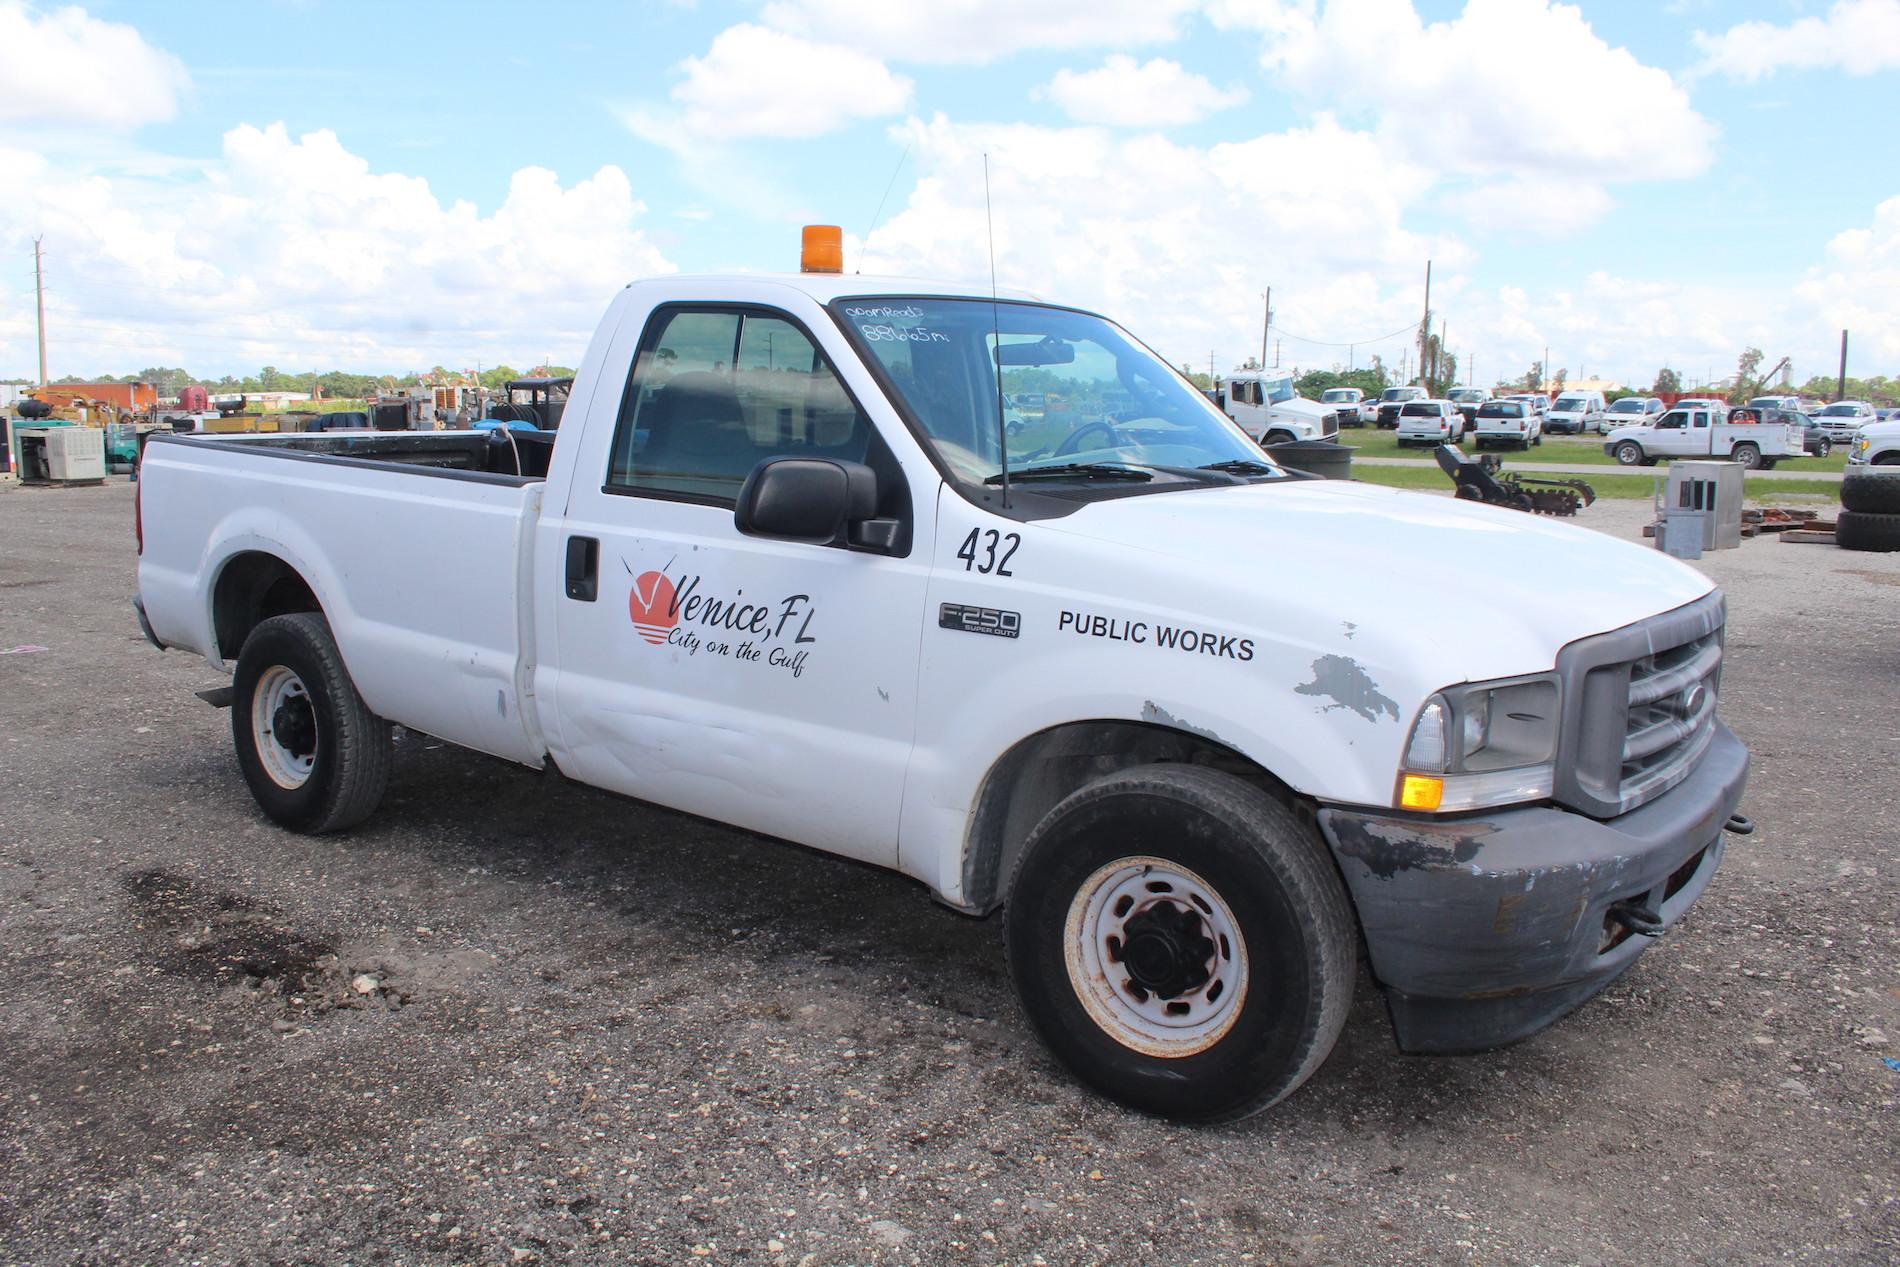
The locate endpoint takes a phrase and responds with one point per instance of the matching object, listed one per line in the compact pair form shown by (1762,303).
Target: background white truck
(1267,408)
(1351,404)
(1165,704)
(1703,432)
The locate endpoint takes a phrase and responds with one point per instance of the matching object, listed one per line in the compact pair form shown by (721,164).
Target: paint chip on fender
(1341,679)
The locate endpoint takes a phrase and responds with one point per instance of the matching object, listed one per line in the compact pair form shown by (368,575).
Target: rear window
(1420,409)
(1500,409)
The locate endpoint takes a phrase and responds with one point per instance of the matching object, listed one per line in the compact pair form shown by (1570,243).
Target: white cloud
(1176,240)
(68,68)
(294,252)
(755,81)
(1857,36)
(1281,16)
(1532,204)
(1124,93)
(974,31)
(1508,89)
(1854,289)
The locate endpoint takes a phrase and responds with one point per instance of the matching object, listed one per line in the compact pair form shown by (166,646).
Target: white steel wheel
(1156,957)
(284,726)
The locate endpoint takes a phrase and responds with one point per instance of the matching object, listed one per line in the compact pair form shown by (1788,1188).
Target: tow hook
(1740,825)
(1637,918)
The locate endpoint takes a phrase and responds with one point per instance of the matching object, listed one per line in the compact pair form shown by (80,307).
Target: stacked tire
(1870,510)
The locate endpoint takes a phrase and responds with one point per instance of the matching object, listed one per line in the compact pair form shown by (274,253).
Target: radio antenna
(877,217)
(996,333)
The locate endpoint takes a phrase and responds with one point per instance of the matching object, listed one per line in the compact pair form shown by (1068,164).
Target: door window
(714,392)
(1701,417)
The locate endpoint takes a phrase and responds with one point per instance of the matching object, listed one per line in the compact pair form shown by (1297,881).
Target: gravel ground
(514,1020)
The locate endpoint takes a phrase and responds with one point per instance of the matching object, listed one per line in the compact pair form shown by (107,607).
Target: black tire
(1271,876)
(1823,447)
(1629,453)
(1864,530)
(321,719)
(1747,456)
(1871,491)
(1768,464)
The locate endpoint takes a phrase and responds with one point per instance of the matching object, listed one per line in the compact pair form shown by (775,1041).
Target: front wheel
(1181,942)
(313,754)
(1629,453)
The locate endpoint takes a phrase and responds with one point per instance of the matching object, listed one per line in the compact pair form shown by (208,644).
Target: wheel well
(1032,777)
(251,588)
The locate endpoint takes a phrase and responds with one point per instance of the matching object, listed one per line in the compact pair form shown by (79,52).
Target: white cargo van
(1575,413)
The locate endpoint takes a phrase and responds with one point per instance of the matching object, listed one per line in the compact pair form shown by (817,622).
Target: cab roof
(825,287)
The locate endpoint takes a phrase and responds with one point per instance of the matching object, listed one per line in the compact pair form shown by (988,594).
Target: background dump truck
(783,567)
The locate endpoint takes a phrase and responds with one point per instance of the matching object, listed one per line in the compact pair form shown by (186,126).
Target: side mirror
(806,499)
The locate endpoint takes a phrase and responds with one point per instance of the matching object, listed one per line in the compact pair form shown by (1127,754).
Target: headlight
(1487,743)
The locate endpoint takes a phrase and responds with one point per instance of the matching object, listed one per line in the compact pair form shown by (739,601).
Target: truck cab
(1267,408)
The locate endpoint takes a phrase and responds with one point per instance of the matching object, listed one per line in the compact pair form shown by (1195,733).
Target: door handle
(583,568)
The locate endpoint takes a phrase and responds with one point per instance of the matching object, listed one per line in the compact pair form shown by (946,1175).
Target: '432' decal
(978,551)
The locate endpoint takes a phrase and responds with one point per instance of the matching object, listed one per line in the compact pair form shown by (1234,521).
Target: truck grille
(1640,708)
(1329,428)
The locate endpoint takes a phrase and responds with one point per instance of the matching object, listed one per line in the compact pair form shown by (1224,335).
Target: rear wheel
(315,757)
(1181,942)
(1629,453)
(1746,456)
(1823,447)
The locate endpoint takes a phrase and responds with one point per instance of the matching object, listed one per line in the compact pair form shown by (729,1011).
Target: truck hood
(1300,407)
(1437,590)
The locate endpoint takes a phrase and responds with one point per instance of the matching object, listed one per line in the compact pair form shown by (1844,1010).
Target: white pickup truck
(1175,710)
(1354,409)
(1701,431)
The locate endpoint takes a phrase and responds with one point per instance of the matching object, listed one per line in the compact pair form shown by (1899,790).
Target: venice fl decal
(686,613)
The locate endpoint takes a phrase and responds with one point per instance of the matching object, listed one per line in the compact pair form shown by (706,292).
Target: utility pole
(39,304)
(1276,354)
(1211,380)
(1266,324)
(1425,322)
(1840,387)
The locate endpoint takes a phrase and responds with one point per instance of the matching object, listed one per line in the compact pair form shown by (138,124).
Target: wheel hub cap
(1155,956)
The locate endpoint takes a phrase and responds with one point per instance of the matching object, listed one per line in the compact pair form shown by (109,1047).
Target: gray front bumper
(1487,928)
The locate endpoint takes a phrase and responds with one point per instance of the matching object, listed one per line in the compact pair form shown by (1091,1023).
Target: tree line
(336,384)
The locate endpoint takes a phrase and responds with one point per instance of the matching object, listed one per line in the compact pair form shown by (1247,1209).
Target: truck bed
(446,546)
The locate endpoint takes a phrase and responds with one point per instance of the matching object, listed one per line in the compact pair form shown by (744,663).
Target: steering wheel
(1070,443)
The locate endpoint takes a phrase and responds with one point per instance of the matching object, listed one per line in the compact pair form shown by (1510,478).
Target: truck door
(746,679)
(1671,437)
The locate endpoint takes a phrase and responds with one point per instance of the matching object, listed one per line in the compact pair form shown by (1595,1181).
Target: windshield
(1627,405)
(1401,393)
(1570,404)
(1839,411)
(1337,396)
(1105,400)
(1467,395)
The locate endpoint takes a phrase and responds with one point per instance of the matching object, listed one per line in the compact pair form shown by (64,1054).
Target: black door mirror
(805,499)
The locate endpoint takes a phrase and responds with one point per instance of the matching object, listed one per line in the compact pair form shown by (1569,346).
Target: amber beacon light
(823,249)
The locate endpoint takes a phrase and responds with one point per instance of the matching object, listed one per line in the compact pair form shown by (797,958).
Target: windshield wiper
(1073,470)
(1240,466)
